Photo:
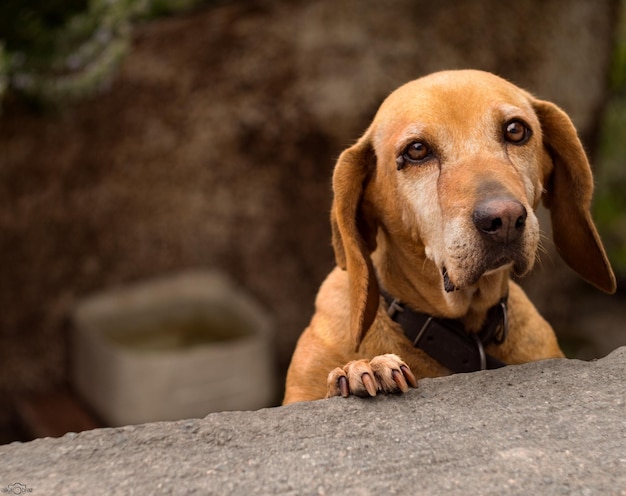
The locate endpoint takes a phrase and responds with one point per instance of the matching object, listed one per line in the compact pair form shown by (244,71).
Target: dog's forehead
(449,98)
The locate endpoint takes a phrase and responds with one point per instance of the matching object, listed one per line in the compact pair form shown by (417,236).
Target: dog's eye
(516,132)
(416,152)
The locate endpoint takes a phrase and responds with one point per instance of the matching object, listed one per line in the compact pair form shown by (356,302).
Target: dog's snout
(500,220)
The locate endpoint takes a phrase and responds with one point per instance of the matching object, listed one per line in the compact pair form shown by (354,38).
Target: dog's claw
(342,384)
(399,379)
(408,375)
(369,384)
(366,378)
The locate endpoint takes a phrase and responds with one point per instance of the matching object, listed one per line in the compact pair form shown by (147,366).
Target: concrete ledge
(553,427)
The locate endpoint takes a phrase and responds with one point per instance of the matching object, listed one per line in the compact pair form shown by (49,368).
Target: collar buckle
(394,307)
(447,341)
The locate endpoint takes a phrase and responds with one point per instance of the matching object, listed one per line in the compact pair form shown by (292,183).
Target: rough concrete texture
(553,427)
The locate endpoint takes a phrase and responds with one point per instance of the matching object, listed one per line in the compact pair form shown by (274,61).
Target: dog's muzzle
(500,220)
(500,223)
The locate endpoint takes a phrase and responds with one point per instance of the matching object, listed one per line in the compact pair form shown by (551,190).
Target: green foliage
(30,26)
(610,200)
(57,50)
(166,7)
(3,70)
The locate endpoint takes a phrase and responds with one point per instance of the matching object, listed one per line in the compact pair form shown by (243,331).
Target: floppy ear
(569,188)
(354,234)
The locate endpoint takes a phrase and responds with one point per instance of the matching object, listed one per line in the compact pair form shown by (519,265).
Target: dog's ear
(354,234)
(568,190)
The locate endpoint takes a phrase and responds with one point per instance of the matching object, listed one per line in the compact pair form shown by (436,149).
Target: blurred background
(142,138)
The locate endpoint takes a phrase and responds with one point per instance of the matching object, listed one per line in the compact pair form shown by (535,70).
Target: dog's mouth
(519,267)
(447,283)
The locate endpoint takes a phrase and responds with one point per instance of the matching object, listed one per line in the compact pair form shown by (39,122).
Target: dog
(433,213)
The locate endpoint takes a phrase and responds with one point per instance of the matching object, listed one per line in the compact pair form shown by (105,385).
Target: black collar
(447,341)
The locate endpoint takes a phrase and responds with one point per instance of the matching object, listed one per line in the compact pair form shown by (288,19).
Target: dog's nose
(501,220)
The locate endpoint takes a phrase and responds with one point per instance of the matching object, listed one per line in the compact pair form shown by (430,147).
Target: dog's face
(448,176)
(465,158)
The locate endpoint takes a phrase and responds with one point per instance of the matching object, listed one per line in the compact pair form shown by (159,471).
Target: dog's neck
(411,277)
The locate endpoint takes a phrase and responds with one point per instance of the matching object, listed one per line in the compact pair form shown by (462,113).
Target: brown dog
(433,210)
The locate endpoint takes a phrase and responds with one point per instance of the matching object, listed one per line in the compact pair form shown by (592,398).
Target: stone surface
(553,427)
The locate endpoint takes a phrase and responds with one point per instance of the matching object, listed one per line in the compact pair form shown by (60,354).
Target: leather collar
(447,341)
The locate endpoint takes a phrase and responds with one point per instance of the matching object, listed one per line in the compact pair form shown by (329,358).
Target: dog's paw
(384,373)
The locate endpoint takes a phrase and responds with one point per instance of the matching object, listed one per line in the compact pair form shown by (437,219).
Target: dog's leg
(385,373)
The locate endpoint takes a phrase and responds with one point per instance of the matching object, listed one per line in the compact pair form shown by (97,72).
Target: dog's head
(449,173)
